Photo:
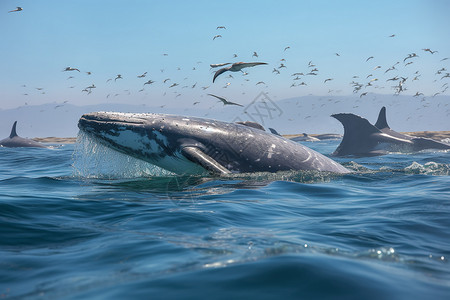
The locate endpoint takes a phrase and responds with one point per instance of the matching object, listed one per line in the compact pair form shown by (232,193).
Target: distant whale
(188,145)
(364,139)
(329,136)
(14,141)
(305,138)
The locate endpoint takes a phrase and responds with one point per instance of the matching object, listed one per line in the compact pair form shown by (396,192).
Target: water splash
(91,159)
(429,168)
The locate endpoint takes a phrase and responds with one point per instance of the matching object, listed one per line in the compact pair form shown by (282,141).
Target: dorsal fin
(13,131)
(382,122)
(274,131)
(357,132)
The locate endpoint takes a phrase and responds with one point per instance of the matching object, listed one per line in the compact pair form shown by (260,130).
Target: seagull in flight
(219,65)
(225,101)
(71,69)
(18,8)
(220,27)
(237,67)
(429,50)
(217,36)
(411,55)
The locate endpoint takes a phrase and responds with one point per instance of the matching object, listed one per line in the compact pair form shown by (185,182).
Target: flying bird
(237,67)
(225,101)
(369,58)
(118,77)
(219,65)
(216,36)
(71,69)
(429,50)
(220,27)
(18,8)
(287,48)
(411,55)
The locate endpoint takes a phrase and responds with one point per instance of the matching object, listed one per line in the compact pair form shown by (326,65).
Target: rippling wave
(85,222)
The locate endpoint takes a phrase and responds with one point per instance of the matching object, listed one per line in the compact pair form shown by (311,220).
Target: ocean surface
(83,222)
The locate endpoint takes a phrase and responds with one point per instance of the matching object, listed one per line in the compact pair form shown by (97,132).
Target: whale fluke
(364,139)
(357,135)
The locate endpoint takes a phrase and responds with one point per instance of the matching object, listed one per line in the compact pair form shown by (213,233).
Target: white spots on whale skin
(211,129)
(270,152)
(308,158)
(317,161)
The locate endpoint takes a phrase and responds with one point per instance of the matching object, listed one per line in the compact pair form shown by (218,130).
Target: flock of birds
(361,85)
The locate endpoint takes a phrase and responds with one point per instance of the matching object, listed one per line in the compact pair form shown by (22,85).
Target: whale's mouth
(104,124)
(90,121)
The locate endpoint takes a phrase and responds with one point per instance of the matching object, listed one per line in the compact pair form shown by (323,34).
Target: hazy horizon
(296,115)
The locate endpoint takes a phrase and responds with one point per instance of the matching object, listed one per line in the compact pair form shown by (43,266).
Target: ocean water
(82,222)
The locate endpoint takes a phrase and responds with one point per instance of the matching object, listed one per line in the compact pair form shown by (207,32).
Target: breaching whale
(190,145)
(364,139)
(14,141)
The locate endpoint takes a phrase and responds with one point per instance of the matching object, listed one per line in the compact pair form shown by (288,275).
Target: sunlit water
(81,222)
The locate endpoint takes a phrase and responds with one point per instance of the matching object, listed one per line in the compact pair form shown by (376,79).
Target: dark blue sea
(82,222)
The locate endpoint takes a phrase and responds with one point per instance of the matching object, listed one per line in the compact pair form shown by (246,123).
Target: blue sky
(130,37)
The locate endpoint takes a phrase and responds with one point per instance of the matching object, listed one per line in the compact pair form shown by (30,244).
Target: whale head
(160,139)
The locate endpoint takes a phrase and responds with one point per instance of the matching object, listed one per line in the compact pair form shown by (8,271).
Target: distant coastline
(436,135)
